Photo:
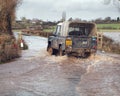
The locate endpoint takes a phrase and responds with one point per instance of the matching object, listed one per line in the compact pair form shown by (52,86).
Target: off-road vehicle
(73,37)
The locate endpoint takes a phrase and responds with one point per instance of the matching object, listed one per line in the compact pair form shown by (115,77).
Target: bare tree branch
(115,2)
(7,14)
(107,2)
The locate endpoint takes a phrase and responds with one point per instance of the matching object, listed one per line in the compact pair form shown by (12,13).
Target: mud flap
(50,50)
(60,52)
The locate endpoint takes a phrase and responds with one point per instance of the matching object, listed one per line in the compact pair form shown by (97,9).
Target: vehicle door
(55,43)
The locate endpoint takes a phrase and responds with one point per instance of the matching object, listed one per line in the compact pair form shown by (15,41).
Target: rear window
(80,29)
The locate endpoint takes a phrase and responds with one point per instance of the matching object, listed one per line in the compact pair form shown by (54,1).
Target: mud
(38,74)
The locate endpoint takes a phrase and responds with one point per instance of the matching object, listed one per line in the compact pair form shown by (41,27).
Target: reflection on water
(35,42)
(37,45)
(114,35)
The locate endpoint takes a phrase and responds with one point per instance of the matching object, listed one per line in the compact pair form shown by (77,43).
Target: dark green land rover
(73,37)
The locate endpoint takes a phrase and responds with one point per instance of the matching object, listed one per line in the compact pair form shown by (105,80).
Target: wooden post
(20,36)
(100,39)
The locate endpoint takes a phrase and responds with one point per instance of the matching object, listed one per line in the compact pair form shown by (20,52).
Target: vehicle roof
(60,23)
(69,22)
(65,26)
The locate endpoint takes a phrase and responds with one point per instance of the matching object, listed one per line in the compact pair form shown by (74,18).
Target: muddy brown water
(38,74)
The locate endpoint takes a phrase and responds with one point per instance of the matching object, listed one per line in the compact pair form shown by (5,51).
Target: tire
(85,54)
(50,50)
(60,52)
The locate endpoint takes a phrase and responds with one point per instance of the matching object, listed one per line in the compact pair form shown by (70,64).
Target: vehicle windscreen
(80,29)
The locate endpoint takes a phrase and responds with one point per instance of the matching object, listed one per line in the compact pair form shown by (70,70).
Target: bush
(9,48)
(24,46)
(110,46)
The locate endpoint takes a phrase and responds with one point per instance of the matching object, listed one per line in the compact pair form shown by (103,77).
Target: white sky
(52,9)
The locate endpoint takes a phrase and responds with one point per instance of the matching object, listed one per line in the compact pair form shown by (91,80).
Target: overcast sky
(52,9)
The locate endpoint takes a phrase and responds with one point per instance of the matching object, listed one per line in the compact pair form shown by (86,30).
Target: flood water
(36,44)
(38,74)
(114,35)
(39,44)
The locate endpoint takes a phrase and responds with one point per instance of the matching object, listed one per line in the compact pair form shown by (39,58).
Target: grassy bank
(107,30)
(109,27)
(16,30)
(110,46)
(52,29)
(48,30)
(9,48)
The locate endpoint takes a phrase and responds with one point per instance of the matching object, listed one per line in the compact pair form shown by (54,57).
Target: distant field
(16,30)
(48,30)
(101,27)
(109,26)
(52,29)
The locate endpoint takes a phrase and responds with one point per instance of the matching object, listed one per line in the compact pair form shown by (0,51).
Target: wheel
(83,55)
(86,54)
(60,52)
(50,50)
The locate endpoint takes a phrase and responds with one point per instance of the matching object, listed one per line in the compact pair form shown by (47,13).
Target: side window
(58,30)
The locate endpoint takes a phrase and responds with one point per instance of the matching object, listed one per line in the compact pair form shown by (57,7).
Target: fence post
(100,39)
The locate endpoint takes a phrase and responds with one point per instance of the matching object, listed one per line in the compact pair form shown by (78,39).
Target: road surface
(38,74)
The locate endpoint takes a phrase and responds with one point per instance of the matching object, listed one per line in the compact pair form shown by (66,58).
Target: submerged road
(38,74)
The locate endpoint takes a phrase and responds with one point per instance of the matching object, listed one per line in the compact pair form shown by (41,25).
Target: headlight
(68,42)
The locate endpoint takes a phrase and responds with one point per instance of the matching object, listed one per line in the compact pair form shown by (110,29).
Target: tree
(107,19)
(115,2)
(7,14)
(23,19)
(107,1)
(118,19)
(98,20)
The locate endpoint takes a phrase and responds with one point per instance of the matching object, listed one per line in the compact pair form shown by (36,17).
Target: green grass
(107,30)
(50,30)
(16,30)
(109,26)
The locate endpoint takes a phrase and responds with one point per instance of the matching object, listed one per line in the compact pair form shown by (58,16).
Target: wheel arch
(49,42)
